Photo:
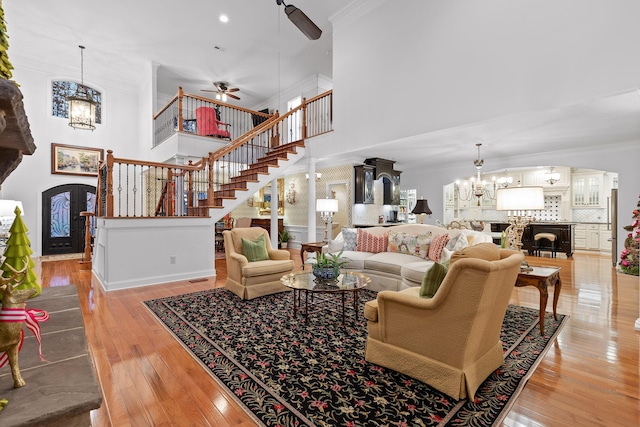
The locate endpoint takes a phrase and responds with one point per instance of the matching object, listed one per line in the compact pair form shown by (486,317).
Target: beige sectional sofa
(399,267)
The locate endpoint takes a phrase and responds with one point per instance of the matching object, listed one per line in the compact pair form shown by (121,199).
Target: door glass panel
(60,215)
(91,207)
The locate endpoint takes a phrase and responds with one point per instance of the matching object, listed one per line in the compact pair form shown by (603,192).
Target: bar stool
(548,236)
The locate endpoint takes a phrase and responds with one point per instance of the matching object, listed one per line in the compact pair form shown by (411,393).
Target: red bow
(31,318)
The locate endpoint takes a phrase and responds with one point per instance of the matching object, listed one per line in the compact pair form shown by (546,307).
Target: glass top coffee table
(311,295)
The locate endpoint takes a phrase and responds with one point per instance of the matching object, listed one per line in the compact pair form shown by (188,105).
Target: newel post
(85,264)
(304,118)
(110,161)
(180,122)
(171,193)
(275,132)
(190,200)
(210,189)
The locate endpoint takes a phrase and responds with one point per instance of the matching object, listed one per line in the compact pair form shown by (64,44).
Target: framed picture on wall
(73,160)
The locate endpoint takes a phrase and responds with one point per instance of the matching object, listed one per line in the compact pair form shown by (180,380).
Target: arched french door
(62,225)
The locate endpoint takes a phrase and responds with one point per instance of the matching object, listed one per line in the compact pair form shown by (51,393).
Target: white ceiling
(260,52)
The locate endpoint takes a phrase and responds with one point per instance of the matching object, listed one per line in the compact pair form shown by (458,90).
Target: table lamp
(7,214)
(519,202)
(327,207)
(421,207)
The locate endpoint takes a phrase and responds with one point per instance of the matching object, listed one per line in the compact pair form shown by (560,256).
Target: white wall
(455,62)
(118,131)
(138,252)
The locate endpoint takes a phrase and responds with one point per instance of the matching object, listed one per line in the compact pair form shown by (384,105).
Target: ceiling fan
(300,20)
(222,91)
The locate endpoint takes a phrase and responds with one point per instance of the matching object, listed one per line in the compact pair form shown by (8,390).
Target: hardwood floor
(588,378)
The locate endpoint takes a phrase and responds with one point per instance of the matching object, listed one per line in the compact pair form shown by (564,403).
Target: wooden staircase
(247,182)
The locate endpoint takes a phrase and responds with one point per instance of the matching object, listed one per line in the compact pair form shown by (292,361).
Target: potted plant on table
(284,238)
(328,266)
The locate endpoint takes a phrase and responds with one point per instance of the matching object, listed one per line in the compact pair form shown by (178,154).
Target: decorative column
(275,203)
(311,205)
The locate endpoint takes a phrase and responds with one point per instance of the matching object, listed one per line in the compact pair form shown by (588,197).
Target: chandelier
(505,180)
(82,107)
(551,177)
(475,187)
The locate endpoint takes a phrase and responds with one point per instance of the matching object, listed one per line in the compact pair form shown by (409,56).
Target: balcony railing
(139,189)
(179,115)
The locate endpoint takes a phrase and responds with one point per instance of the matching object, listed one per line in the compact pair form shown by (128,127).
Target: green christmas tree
(18,250)
(5,65)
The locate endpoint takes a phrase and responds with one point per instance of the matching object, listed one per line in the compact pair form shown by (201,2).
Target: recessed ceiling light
(224,18)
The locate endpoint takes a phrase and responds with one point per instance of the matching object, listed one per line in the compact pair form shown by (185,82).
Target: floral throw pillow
(368,242)
(438,243)
(458,242)
(409,243)
(350,237)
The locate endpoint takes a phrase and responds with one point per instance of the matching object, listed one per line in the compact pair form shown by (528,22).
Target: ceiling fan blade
(233,96)
(209,90)
(302,21)
(233,89)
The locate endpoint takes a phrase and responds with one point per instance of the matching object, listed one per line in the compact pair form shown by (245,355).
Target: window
(59,92)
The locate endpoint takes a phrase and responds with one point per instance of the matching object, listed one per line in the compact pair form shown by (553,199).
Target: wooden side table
(311,247)
(542,278)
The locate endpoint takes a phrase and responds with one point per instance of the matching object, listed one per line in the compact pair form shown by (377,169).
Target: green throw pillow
(432,280)
(255,250)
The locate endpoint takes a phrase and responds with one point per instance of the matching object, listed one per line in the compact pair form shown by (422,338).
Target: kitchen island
(564,232)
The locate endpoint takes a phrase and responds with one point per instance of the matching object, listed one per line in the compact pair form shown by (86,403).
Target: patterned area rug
(287,373)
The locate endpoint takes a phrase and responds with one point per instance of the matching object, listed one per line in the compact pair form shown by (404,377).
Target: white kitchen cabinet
(581,236)
(588,190)
(593,236)
(605,238)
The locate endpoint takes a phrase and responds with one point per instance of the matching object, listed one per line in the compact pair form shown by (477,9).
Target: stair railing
(140,189)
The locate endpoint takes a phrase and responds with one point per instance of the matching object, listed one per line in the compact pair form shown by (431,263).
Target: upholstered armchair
(209,125)
(247,279)
(451,341)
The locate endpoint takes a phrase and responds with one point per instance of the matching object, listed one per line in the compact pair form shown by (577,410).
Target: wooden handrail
(235,107)
(264,126)
(317,97)
(138,180)
(163,109)
(154,164)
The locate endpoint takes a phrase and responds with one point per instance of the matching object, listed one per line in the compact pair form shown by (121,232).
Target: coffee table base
(304,301)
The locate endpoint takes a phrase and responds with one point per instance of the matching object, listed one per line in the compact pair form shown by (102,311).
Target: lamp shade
(327,205)
(421,207)
(8,207)
(520,199)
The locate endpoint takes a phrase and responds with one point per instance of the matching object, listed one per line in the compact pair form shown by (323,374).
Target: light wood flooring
(588,378)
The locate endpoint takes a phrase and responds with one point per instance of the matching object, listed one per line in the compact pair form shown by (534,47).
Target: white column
(311,207)
(275,193)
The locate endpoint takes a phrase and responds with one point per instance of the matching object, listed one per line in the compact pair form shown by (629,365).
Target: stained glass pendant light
(82,108)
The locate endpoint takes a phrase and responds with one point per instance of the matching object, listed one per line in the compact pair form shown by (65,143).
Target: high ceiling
(261,52)
(258,50)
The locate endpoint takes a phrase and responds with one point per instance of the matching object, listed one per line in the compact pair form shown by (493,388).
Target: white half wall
(132,252)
